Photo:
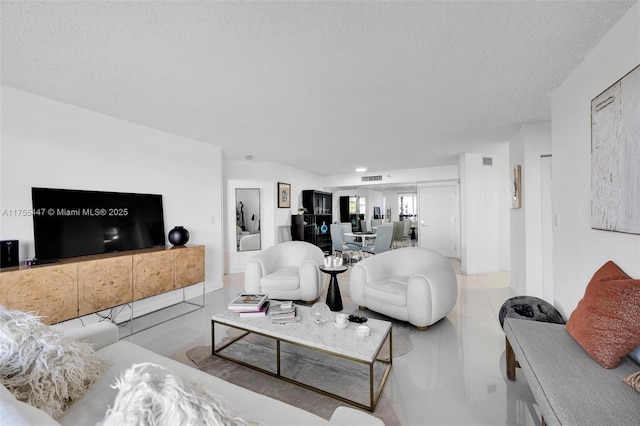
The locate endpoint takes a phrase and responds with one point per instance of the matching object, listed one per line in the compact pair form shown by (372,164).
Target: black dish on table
(357,318)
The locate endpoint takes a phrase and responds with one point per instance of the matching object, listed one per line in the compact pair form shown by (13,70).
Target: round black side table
(334,299)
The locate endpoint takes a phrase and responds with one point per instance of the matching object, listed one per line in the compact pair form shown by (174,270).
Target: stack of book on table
(250,305)
(283,313)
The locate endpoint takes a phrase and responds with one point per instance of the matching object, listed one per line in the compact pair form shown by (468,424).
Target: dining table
(362,235)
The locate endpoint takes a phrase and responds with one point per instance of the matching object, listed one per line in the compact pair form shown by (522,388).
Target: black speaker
(8,253)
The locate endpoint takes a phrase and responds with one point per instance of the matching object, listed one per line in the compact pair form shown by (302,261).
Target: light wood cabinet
(189,263)
(153,273)
(51,292)
(82,286)
(104,283)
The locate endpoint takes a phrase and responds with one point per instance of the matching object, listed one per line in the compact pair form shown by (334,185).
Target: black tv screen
(69,223)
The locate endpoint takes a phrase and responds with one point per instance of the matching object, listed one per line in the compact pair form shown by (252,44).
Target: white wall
(579,250)
(263,175)
(484,214)
(531,141)
(46,143)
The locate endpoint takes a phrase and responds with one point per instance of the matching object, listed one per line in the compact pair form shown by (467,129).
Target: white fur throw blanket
(150,395)
(41,366)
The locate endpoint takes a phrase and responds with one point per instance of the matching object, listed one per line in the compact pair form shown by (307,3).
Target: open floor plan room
(452,374)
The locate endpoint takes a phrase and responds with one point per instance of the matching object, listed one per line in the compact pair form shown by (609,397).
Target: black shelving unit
(314,226)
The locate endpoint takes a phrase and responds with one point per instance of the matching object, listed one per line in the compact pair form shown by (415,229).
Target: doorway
(547,228)
(438,219)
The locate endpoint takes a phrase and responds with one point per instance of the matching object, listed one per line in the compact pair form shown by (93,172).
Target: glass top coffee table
(304,353)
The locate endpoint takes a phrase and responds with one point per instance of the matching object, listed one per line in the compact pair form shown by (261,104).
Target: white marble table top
(325,336)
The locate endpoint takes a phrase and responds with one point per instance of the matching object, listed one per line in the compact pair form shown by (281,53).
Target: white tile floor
(453,376)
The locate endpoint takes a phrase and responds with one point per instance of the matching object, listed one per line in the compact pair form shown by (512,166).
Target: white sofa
(91,408)
(410,284)
(286,271)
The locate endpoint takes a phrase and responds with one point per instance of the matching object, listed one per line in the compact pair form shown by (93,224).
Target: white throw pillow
(148,394)
(42,367)
(18,413)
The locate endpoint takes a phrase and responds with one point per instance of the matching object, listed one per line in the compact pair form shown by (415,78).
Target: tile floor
(453,376)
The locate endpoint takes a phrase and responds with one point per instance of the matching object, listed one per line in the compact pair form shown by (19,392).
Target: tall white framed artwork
(615,156)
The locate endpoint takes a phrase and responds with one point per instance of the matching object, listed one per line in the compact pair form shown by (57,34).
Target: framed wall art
(516,187)
(284,195)
(615,155)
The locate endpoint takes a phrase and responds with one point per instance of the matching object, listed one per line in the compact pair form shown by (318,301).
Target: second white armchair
(410,284)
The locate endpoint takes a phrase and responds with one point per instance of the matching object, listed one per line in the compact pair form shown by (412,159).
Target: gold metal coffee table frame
(374,396)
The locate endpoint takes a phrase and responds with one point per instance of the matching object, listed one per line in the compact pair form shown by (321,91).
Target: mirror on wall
(248,219)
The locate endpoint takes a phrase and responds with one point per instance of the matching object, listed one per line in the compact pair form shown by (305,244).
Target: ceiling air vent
(371,178)
(487,161)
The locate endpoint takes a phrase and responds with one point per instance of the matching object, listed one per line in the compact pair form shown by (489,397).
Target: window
(357,211)
(362,205)
(408,206)
(357,205)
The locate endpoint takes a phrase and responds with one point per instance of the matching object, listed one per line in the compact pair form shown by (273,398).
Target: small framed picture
(284,195)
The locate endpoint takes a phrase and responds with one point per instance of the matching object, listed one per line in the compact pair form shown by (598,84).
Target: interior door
(437,219)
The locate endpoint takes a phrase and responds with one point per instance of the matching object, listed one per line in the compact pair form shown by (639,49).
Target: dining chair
(285,233)
(365,229)
(346,227)
(405,235)
(384,237)
(398,231)
(339,246)
(375,223)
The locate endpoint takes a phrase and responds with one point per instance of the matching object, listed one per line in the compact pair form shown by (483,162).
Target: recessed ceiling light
(248,157)
(361,169)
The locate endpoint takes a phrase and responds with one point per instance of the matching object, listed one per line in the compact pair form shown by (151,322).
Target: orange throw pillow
(606,322)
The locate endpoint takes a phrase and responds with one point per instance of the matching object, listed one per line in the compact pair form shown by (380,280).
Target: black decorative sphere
(178,236)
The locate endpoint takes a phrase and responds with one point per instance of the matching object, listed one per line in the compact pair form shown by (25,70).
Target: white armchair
(286,271)
(410,284)
(249,242)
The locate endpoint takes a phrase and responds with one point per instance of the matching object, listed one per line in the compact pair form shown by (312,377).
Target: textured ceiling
(320,86)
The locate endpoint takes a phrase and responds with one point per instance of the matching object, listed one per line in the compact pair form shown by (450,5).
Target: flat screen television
(69,223)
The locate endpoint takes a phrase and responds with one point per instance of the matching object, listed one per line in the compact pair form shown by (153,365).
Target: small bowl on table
(363,331)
